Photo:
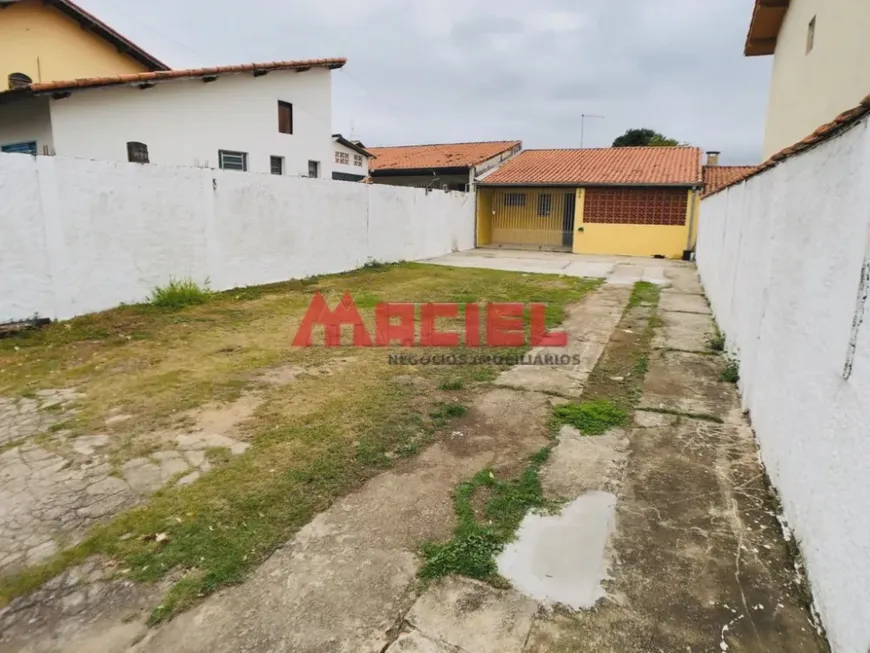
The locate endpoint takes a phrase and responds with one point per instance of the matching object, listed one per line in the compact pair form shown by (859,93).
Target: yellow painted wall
(633,239)
(484,216)
(522,225)
(48,46)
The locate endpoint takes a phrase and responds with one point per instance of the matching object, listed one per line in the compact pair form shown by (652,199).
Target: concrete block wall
(785,261)
(79,236)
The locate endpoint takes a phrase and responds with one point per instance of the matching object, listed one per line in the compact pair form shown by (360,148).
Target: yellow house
(636,201)
(52,41)
(821,63)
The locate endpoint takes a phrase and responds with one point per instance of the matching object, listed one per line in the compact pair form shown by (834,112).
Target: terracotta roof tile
(447,155)
(163,75)
(605,166)
(824,133)
(715,177)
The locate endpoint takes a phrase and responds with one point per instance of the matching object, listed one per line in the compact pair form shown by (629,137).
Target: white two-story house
(268,118)
(351,159)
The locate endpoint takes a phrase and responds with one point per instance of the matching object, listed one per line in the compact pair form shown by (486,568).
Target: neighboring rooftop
(716,177)
(149,79)
(612,166)
(767,18)
(433,157)
(90,22)
(356,146)
(826,132)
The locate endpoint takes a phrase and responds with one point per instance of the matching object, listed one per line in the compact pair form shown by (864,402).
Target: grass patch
(731,373)
(717,342)
(482,534)
(594,417)
(309,445)
(451,385)
(179,293)
(644,293)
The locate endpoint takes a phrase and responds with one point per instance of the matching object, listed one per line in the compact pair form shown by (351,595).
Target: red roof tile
(674,166)
(447,155)
(716,177)
(824,133)
(165,75)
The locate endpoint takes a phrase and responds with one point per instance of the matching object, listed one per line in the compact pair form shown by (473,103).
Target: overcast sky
(439,71)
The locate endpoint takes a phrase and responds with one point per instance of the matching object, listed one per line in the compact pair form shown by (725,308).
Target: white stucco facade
(348,161)
(79,235)
(785,261)
(809,89)
(187,121)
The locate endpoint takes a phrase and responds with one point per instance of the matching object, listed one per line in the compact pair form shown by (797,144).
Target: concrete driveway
(619,270)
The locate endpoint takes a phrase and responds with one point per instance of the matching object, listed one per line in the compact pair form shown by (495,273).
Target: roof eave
(106,33)
(417,172)
(767,19)
(353,146)
(585,184)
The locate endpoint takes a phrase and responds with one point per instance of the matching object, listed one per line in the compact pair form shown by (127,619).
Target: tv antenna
(583,117)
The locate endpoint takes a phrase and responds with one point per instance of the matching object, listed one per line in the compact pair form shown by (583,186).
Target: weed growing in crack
(443,413)
(489,510)
(717,342)
(592,417)
(731,373)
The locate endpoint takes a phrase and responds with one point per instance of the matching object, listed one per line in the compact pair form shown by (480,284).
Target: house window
(233,160)
(314,169)
(545,204)
(20,148)
(277,165)
(285,117)
(357,160)
(515,199)
(342,158)
(811,35)
(137,152)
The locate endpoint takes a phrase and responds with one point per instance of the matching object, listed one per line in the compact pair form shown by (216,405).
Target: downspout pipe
(687,253)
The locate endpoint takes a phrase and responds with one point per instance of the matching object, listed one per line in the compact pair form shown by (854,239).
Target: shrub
(179,293)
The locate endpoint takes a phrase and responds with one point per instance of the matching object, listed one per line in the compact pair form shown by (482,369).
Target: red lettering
(386,332)
(540,336)
(505,326)
(345,313)
(472,325)
(429,336)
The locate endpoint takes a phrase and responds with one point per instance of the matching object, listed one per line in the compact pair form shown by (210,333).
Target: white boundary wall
(78,236)
(781,257)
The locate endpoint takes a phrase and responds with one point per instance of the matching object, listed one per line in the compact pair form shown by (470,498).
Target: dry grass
(352,415)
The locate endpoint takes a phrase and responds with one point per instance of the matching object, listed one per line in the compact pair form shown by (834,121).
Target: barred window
(515,199)
(545,204)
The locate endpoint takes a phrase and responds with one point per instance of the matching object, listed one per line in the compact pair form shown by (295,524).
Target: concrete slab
(561,559)
(414,642)
(682,302)
(589,325)
(581,464)
(474,616)
(686,331)
(618,270)
(687,383)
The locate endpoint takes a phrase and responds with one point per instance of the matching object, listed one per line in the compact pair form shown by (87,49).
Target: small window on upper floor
(357,160)
(285,117)
(811,35)
(515,199)
(314,169)
(276,164)
(137,152)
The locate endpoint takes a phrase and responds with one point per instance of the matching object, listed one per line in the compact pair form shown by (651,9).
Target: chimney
(713,158)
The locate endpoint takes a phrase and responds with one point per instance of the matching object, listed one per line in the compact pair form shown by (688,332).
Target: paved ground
(675,534)
(617,270)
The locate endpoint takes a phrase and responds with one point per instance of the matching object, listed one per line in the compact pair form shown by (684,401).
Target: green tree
(644,138)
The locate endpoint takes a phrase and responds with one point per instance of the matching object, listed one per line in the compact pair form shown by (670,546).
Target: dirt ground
(326,464)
